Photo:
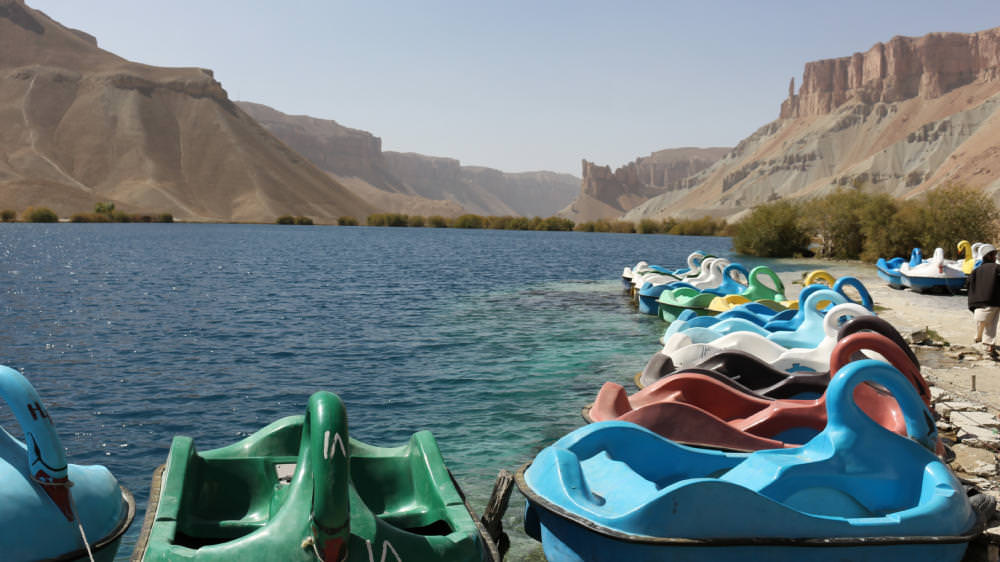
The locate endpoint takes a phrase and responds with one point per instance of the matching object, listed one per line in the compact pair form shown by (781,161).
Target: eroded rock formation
(607,193)
(901,118)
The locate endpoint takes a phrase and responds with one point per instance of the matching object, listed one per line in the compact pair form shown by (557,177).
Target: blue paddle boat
(931,276)
(855,491)
(769,319)
(49,506)
(889,270)
(809,332)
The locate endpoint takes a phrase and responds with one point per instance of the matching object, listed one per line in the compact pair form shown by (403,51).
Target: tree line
(852,223)
(103,212)
(705,226)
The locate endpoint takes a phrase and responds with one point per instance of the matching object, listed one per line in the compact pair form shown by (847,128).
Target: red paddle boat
(700,410)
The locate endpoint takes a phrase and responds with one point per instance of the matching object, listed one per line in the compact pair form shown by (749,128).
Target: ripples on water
(492,340)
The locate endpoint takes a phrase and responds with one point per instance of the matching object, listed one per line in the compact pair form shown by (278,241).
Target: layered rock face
(905,67)
(607,194)
(404,182)
(901,118)
(83,125)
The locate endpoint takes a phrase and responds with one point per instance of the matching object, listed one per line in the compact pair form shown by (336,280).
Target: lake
(492,340)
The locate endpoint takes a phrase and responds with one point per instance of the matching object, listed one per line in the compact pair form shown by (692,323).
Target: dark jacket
(984,286)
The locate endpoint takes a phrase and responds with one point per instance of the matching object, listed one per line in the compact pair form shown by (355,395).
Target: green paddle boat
(302,489)
(673,303)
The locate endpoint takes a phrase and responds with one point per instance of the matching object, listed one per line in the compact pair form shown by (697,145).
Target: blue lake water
(493,340)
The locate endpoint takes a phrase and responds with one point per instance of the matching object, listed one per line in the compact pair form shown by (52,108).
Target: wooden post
(493,514)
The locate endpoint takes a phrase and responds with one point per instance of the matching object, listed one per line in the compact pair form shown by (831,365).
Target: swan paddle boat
(767,347)
(673,304)
(933,275)
(705,411)
(889,270)
(303,489)
(856,491)
(804,329)
(781,358)
(725,279)
(631,274)
(694,260)
(969,256)
(756,376)
(775,303)
(52,510)
(650,293)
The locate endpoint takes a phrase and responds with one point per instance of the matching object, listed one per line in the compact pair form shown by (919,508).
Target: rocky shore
(965,382)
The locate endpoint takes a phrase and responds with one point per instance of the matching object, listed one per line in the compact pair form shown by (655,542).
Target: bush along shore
(705,226)
(103,212)
(852,223)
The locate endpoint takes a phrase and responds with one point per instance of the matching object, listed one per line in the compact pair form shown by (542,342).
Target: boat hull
(570,541)
(934,284)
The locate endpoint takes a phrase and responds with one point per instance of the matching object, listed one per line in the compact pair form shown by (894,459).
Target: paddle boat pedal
(856,491)
(51,510)
(302,489)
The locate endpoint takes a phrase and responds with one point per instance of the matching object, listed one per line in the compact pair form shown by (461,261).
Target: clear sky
(513,84)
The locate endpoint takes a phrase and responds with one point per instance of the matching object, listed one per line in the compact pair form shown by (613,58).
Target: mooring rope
(72,508)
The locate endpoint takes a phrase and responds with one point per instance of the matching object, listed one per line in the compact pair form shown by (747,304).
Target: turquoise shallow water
(492,340)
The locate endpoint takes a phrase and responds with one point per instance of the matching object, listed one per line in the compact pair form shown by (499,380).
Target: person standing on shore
(984,298)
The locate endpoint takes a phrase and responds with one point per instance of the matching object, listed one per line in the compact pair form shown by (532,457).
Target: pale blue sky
(515,85)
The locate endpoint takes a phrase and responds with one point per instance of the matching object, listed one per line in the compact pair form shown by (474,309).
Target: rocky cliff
(606,194)
(903,117)
(415,183)
(82,125)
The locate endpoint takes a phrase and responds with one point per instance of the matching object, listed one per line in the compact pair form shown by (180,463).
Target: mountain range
(414,183)
(82,125)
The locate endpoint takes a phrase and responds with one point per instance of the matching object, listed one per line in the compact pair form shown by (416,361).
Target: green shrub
(437,221)
(347,221)
(40,214)
(836,221)
(8,215)
(772,230)
(623,227)
(556,223)
(415,220)
(388,219)
(521,223)
(955,212)
(120,216)
(164,217)
(650,226)
(285,219)
(705,226)
(468,221)
(303,220)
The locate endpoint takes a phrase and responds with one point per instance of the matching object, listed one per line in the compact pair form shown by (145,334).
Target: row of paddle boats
(299,489)
(934,275)
(805,437)
(709,286)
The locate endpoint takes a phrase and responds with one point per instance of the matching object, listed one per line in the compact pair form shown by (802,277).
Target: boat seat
(234,497)
(389,494)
